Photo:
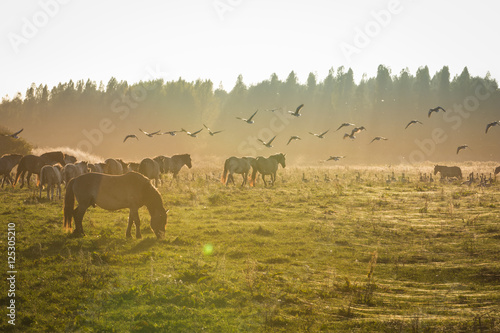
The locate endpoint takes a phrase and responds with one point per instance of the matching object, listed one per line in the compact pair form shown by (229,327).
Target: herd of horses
(114,184)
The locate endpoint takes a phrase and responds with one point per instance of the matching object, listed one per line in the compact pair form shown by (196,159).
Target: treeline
(61,115)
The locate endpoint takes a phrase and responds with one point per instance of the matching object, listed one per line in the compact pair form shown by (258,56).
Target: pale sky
(52,41)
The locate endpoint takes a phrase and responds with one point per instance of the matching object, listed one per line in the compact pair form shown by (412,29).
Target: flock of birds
(296,113)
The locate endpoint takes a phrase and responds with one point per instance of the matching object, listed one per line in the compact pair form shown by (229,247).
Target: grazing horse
(235,165)
(448,172)
(50,176)
(33,164)
(150,169)
(267,166)
(112,192)
(113,167)
(7,163)
(176,162)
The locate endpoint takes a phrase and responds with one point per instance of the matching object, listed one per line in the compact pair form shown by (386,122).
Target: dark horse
(235,165)
(175,163)
(267,166)
(33,164)
(448,172)
(112,192)
(7,163)
(497,171)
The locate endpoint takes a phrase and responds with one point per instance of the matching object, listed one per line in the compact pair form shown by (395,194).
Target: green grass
(351,254)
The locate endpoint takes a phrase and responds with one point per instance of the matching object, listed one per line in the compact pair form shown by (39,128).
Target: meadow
(328,248)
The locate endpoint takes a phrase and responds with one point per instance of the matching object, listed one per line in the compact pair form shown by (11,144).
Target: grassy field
(342,250)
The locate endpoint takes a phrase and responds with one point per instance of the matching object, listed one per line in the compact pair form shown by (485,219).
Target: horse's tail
(20,169)
(252,179)
(69,205)
(224,174)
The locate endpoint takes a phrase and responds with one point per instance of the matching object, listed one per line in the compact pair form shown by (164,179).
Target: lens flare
(208,249)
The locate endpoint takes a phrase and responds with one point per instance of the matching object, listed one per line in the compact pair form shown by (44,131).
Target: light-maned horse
(267,166)
(50,175)
(32,164)
(150,169)
(71,171)
(235,165)
(7,163)
(448,172)
(112,192)
(175,163)
(113,167)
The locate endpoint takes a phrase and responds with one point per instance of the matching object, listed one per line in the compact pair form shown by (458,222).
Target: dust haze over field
(95,119)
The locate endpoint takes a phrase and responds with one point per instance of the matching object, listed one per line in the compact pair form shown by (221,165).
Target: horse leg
(78,216)
(244,175)
(264,180)
(23,173)
(134,212)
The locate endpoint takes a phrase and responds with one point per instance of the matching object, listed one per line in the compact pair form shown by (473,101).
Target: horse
(113,167)
(235,165)
(33,164)
(497,171)
(150,169)
(71,171)
(124,165)
(69,159)
(51,176)
(175,163)
(133,166)
(97,167)
(112,192)
(160,159)
(7,163)
(267,166)
(446,172)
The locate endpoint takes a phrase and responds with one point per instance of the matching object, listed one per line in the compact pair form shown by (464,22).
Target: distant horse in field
(113,167)
(112,192)
(7,163)
(71,171)
(133,166)
(51,176)
(160,159)
(175,163)
(267,166)
(497,171)
(150,169)
(96,167)
(69,159)
(448,172)
(235,165)
(32,164)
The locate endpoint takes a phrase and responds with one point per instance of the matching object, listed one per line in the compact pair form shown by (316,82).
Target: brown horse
(448,172)
(32,164)
(176,162)
(112,192)
(267,166)
(150,169)
(7,163)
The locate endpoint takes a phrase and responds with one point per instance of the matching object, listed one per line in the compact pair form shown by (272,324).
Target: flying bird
(356,130)
(210,132)
(150,134)
(378,138)
(461,147)
(130,136)
(335,158)
(413,122)
(15,135)
(296,112)
(249,120)
(436,109)
(495,123)
(267,144)
(350,136)
(191,134)
(344,125)
(172,133)
(293,137)
(319,135)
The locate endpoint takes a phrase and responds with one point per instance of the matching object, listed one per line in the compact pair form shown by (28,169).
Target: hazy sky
(51,41)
